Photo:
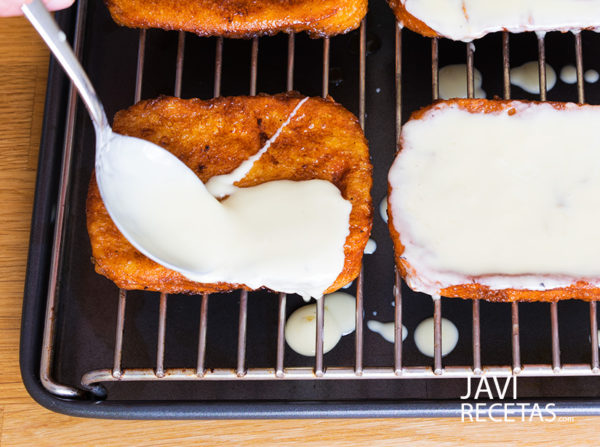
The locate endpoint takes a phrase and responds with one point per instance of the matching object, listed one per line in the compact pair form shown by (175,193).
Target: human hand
(10,8)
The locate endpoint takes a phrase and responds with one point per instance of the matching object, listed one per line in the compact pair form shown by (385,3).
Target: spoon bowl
(129,171)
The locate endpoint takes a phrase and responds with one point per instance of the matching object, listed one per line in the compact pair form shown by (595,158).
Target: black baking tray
(87,302)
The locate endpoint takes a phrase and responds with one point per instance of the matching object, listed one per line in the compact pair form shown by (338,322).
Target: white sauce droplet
(527,77)
(383,209)
(339,319)
(453,82)
(386,330)
(370,247)
(591,76)
(568,74)
(424,337)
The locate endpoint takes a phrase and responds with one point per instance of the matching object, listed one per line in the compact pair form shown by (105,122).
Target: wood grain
(23,65)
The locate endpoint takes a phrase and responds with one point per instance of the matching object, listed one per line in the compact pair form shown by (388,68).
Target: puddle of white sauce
(568,74)
(591,76)
(424,337)
(339,319)
(370,247)
(386,330)
(453,82)
(527,77)
(383,209)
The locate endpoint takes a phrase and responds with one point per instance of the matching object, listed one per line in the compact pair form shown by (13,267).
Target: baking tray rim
(33,309)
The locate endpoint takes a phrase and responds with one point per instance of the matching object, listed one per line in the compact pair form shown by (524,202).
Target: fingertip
(55,5)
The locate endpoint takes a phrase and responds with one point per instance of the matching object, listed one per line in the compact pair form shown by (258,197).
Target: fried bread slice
(213,137)
(496,200)
(241,18)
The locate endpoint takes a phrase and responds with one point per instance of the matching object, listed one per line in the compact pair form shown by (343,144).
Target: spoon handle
(42,21)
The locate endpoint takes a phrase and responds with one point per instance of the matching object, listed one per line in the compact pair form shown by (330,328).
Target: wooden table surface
(23,66)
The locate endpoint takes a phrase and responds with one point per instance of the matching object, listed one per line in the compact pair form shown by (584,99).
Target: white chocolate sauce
(223,185)
(568,74)
(527,77)
(370,247)
(339,319)
(383,209)
(513,202)
(424,337)
(453,82)
(591,76)
(179,224)
(467,20)
(386,330)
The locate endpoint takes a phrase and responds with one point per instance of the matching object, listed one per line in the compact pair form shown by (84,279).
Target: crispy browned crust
(324,141)
(241,18)
(580,290)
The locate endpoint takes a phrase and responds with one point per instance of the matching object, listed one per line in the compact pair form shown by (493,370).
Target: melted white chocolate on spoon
(284,235)
(467,20)
(507,199)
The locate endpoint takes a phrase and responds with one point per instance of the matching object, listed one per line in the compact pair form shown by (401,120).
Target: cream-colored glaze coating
(453,82)
(527,76)
(424,337)
(507,201)
(284,235)
(386,330)
(467,20)
(339,320)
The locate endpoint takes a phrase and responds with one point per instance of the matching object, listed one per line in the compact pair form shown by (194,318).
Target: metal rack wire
(279,371)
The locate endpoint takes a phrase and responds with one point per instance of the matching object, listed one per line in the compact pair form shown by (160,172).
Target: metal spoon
(126,165)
